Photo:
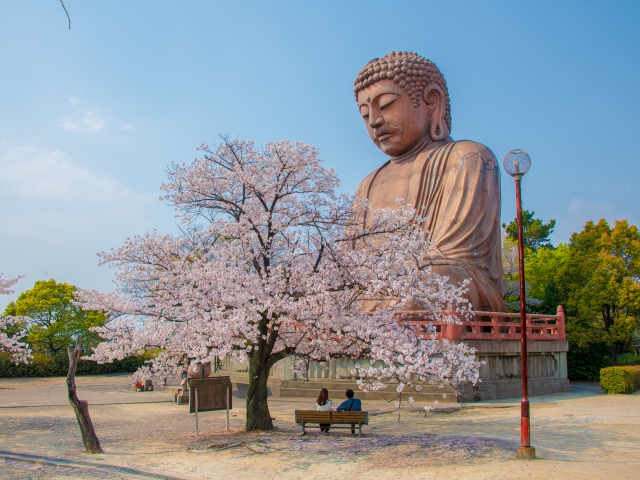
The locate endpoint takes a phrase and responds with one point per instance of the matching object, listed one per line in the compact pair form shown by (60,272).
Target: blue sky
(91,116)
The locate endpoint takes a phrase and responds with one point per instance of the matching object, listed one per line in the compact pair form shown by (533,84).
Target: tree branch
(65,11)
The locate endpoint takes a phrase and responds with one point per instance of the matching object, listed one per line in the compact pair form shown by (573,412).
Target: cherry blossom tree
(12,329)
(272,263)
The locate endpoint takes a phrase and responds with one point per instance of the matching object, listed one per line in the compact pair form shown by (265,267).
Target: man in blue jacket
(350,405)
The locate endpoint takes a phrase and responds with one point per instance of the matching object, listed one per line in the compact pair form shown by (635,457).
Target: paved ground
(97,390)
(584,434)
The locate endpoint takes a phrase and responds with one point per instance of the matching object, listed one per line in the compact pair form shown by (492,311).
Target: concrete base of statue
(500,375)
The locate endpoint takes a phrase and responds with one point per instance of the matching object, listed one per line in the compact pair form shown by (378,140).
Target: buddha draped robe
(456,186)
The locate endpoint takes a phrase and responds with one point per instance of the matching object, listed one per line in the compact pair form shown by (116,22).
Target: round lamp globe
(516,163)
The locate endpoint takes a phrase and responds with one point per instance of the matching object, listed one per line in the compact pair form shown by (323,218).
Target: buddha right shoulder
(468,154)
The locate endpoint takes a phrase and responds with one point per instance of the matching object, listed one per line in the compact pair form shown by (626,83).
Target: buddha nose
(376,122)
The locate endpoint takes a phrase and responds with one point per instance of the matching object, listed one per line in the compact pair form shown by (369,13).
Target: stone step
(331,384)
(311,388)
(311,394)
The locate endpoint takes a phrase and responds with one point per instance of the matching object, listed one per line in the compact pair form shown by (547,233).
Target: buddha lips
(385,132)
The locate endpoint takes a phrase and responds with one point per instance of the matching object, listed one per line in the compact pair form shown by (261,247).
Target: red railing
(497,326)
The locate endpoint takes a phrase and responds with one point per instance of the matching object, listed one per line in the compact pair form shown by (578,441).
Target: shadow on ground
(382,449)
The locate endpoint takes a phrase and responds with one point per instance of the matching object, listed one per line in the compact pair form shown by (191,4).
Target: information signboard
(209,394)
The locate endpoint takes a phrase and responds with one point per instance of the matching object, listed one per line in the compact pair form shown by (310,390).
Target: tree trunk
(81,407)
(615,351)
(258,415)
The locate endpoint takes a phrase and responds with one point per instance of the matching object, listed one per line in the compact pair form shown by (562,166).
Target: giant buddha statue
(454,185)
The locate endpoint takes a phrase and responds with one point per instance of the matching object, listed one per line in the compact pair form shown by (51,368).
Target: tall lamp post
(516,163)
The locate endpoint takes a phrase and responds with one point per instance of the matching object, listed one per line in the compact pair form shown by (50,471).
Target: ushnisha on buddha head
(404,101)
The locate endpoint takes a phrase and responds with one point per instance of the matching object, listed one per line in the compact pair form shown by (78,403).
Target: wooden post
(495,329)
(561,323)
(81,407)
(227,401)
(195,399)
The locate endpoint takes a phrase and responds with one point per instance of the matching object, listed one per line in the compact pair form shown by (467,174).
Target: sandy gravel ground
(584,435)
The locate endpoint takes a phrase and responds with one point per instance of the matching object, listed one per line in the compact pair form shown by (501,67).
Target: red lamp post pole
(525,450)
(525,424)
(516,163)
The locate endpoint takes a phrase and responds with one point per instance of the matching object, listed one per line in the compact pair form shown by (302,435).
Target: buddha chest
(395,180)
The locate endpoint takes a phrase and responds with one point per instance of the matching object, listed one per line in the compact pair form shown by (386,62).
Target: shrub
(620,379)
(57,366)
(628,359)
(586,361)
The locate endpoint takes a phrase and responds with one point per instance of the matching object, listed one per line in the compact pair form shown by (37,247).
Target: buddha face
(394,124)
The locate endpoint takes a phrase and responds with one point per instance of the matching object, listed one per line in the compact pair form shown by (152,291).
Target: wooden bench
(352,419)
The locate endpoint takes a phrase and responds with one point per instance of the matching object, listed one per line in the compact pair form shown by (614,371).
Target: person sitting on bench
(350,405)
(323,403)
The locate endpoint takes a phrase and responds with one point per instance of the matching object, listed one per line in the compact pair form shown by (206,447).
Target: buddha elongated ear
(434,99)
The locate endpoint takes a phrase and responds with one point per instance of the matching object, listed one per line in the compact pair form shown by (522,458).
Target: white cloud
(126,126)
(580,212)
(87,120)
(56,214)
(590,211)
(48,192)
(41,174)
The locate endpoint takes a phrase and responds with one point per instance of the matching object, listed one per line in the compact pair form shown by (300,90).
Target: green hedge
(58,365)
(620,379)
(628,359)
(585,362)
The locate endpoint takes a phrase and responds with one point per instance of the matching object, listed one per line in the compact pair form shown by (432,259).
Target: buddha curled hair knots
(410,71)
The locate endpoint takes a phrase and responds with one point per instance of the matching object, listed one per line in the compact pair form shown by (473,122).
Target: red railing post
(495,328)
(562,324)
(452,331)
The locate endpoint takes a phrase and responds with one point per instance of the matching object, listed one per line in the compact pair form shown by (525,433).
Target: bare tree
(81,407)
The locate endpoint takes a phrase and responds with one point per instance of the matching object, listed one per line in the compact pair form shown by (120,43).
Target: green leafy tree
(510,273)
(536,233)
(635,342)
(53,320)
(600,283)
(511,276)
(541,273)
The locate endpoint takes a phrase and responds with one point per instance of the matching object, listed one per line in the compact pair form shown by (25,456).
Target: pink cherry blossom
(272,263)
(11,343)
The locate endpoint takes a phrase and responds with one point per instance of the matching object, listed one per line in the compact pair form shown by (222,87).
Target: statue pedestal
(496,340)
(501,373)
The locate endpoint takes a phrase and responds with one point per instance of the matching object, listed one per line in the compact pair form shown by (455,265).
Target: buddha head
(404,102)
